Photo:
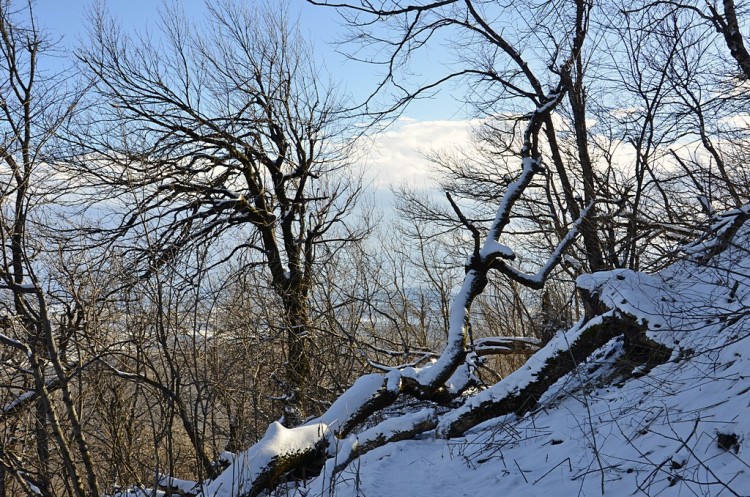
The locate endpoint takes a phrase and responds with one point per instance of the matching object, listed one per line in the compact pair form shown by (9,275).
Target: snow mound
(249,465)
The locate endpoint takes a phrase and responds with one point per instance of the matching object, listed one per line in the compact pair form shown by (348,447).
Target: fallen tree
(329,442)
(439,382)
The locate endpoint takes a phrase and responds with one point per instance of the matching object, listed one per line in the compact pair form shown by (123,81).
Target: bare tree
(498,64)
(442,379)
(632,96)
(39,363)
(222,134)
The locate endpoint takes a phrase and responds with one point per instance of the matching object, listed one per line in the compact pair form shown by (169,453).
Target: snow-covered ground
(681,428)
(654,435)
(615,426)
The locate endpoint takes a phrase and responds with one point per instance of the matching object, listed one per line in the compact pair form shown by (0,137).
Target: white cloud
(397,156)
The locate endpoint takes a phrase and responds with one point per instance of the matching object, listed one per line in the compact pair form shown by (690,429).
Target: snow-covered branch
(536,281)
(278,452)
(506,345)
(370,393)
(519,392)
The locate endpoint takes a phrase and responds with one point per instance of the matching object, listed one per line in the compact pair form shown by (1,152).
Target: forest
(200,295)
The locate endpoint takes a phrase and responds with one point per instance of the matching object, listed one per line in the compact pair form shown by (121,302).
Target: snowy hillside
(617,424)
(660,408)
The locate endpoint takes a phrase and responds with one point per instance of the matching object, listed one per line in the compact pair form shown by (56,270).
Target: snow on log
(368,394)
(719,236)
(176,486)
(519,392)
(432,376)
(282,450)
(493,248)
(506,345)
(260,467)
(138,492)
(387,431)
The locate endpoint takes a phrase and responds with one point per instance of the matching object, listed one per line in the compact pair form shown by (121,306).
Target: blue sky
(66,19)
(392,157)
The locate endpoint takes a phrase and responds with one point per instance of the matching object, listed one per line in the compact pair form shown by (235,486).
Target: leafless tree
(507,66)
(41,363)
(555,77)
(222,134)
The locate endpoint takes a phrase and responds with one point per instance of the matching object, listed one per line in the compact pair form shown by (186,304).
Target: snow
(719,226)
(248,465)
(35,490)
(641,295)
(226,457)
(184,486)
(139,492)
(600,429)
(638,429)
(494,248)
(512,193)
(463,376)
(456,336)
(10,406)
(519,378)
(347,449)
(8,341)
(355,397)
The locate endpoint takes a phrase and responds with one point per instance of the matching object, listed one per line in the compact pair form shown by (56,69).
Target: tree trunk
(298,360)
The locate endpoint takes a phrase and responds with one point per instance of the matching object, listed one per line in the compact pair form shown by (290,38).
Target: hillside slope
(616,424)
